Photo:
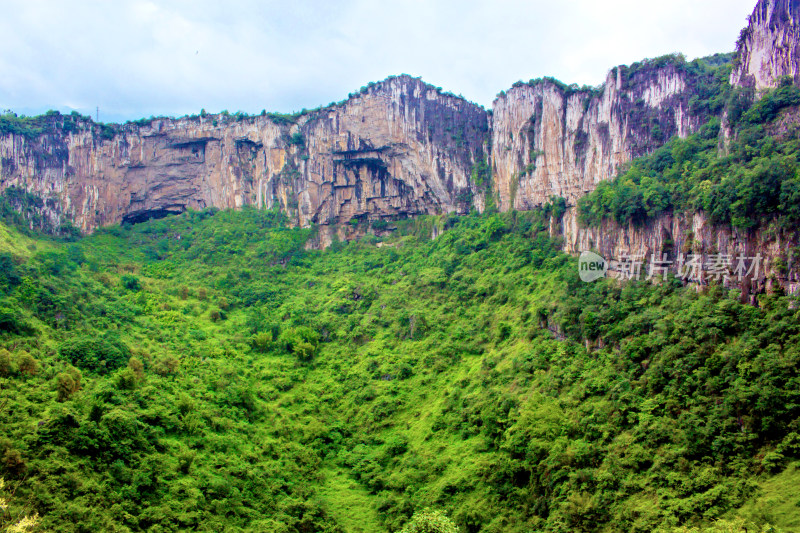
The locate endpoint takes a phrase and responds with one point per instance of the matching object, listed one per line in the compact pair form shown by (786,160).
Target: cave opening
(138,217)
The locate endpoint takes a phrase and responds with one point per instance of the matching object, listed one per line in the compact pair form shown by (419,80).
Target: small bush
(130,282)
(428,521)
(301,341)
(27,364)
(95,354)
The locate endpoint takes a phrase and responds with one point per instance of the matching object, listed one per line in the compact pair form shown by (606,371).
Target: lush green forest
(207,372)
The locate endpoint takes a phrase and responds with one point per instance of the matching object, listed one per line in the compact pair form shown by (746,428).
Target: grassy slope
(18,245)
(285,390)
(777,500)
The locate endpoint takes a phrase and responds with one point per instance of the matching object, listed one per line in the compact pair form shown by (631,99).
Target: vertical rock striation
(673,236)
(769,47)
(552,140)
(398,148)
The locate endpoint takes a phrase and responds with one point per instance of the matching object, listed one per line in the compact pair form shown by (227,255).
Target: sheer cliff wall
(399,148)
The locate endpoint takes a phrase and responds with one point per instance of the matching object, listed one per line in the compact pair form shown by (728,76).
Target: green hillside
(205,372)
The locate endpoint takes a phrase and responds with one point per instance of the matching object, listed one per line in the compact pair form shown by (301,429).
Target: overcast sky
(136,58)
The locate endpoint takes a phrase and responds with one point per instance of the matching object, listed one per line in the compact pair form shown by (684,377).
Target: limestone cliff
(397,148)
(769,47)
(552,140)
(675,237)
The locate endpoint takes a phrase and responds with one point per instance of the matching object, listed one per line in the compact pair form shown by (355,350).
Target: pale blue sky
(136,58)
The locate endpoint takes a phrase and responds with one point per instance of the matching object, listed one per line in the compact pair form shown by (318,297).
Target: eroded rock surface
(769,47)
(398,148)
(550,140)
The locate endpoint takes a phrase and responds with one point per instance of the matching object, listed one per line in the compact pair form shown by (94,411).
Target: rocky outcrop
(397,148)
(552,140)
(400,148)
(767,51)
(769,47)
(756,261)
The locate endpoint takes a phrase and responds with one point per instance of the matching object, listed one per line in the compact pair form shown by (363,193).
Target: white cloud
(135,58)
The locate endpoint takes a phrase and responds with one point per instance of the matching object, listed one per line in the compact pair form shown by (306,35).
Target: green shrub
(95,354)
(130,282)
(301,341)
(428,521)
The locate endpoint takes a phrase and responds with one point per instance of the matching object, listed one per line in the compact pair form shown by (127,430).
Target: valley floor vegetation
(206,372)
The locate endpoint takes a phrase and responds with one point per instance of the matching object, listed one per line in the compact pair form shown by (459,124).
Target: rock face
(764,256)
(398,148)
(551,140)
(769,47)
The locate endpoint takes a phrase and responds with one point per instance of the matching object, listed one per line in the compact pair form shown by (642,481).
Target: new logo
(591,266)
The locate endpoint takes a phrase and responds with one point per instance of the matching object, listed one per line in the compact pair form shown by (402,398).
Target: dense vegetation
(206,372)
(753,181)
